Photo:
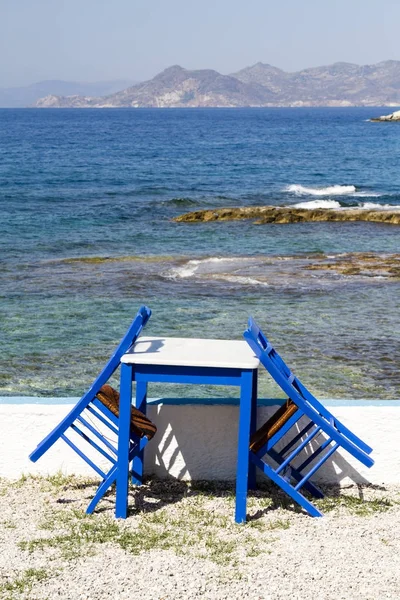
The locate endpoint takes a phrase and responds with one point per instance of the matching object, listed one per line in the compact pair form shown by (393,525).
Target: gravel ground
(180,542)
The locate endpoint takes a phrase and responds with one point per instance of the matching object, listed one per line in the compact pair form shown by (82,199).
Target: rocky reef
(395,116)
(365,264)
(273,214)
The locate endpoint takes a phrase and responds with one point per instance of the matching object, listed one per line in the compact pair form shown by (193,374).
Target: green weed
(24,582)
(356,506)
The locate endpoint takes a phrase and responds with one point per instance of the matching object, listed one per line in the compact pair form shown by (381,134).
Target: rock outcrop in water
(366,264)
(276,214)
(392,117)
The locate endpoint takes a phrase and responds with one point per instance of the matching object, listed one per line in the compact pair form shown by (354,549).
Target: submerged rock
(274,214)
(392,117)
(366,264)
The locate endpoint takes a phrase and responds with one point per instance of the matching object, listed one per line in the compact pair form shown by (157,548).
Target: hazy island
(261,85)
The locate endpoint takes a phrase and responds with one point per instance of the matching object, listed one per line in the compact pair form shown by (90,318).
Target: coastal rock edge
(395,116)
(274,214)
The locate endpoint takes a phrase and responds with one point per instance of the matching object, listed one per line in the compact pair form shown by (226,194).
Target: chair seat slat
(265,433)
(298,449)
(296,438)
(314,454)
(98,434)
(83,455)
(316,467)
(102,416)
(93,443)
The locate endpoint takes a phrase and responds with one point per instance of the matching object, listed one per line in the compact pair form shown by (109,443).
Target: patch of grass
(146,538)
(279,524)
(4,485)
(76,533)
(8,524)
(264,525)
(221,551)
(212,488)
(255,503)
(253,550)
(356,506)
(59,481)
(18,483)
(265,502)
(55,482)
(194,527)
(24,582)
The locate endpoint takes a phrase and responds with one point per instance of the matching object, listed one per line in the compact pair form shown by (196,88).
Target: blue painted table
(188,361)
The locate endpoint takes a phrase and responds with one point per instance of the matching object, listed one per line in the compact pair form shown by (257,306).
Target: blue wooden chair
(293,472)
(95,417)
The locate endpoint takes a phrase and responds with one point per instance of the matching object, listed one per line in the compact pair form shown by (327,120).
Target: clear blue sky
(91,40)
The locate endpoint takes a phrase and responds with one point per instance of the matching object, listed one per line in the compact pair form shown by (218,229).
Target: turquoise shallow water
(78,185)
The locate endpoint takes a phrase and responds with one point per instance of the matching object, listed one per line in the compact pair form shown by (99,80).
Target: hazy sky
(91,40)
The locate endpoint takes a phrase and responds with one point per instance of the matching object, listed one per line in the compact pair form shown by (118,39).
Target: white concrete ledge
(198,441)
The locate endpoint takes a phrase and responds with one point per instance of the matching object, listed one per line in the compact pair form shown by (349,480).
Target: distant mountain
(175,87)
(340,84)
(19,97)
(337,84)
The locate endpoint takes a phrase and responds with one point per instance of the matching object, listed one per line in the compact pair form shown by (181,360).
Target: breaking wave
(330,190)
(313,204)
(375,206)
(335,205)
(210,266)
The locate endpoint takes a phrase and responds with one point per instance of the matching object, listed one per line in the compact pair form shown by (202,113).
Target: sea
(87,202)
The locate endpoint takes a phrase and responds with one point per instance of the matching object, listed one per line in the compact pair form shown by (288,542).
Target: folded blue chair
(95,417)
(292,473)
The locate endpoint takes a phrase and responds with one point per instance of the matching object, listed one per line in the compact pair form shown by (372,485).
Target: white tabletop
(192,352)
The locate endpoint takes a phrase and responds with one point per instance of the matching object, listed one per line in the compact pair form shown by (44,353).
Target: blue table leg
(242,472)
(121,506)
(253,428)
(138,460)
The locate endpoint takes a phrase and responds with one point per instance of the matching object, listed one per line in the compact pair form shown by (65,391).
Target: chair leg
(122,476)
(112,475)
(310,487)
(101,490)
(138,460)
(253,427)
(243,455)
(286,487)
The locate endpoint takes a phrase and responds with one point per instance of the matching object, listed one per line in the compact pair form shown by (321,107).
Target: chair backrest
(126,343)
(280,371)
(298,392)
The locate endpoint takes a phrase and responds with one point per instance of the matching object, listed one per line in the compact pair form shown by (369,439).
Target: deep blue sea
(87,199)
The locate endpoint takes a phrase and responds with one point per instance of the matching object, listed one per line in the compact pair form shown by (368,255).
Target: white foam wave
(313,204)
(238,279)
(330,190)
(375,206)
(365,194)
(334,205)
(183,271)
(207,266)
